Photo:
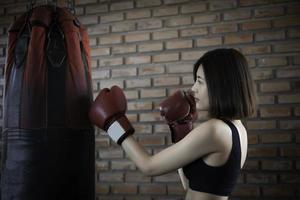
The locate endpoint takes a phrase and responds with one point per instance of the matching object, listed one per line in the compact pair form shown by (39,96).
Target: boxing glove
(179,111)
(108,113)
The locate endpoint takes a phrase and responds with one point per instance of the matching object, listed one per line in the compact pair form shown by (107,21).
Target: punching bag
(48,140)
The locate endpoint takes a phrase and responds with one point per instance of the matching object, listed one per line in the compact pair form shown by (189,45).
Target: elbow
(147,169)
(150,173)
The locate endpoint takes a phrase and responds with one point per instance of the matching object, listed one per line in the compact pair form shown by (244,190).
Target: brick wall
(148,48)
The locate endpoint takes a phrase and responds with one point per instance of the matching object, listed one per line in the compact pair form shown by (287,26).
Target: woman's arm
(184,181)
(137,154)
(202,140)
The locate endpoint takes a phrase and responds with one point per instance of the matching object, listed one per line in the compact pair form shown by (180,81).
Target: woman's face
(200,90)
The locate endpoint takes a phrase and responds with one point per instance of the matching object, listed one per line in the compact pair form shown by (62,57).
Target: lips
(197,99)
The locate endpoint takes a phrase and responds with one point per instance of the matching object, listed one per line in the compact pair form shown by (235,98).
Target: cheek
(203,99)
(205,96)
(206,102)
(202,92)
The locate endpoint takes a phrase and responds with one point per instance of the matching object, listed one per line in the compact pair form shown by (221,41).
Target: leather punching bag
(48,140)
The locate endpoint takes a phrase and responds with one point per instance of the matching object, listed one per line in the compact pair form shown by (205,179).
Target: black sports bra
(219,180)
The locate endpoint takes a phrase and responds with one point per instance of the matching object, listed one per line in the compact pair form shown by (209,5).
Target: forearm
(137,154)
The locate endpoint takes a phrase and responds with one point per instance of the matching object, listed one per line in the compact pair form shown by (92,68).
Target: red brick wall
(148,48)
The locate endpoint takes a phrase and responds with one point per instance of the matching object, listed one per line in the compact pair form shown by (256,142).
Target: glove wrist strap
(120,129)
(179,131)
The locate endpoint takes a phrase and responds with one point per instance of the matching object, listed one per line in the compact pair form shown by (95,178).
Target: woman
(211,155)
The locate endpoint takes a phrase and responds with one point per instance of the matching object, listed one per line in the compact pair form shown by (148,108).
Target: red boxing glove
(108,113)
(179,110)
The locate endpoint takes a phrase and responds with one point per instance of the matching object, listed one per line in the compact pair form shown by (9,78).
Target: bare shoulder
(221,129)
(218,131)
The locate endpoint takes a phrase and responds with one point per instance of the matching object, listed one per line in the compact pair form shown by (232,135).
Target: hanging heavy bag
(48,141)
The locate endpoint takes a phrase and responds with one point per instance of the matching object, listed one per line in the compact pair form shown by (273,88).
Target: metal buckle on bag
(76,22)
(55,50)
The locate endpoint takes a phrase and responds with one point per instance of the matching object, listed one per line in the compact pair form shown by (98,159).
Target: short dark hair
(229,84)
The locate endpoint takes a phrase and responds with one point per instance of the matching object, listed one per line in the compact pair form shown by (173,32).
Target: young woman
(210,156)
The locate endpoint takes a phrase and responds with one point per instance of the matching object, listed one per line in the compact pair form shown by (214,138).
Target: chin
(199,106)
(202,108)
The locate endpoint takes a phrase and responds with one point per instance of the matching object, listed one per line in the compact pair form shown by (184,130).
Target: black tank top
(219,180)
